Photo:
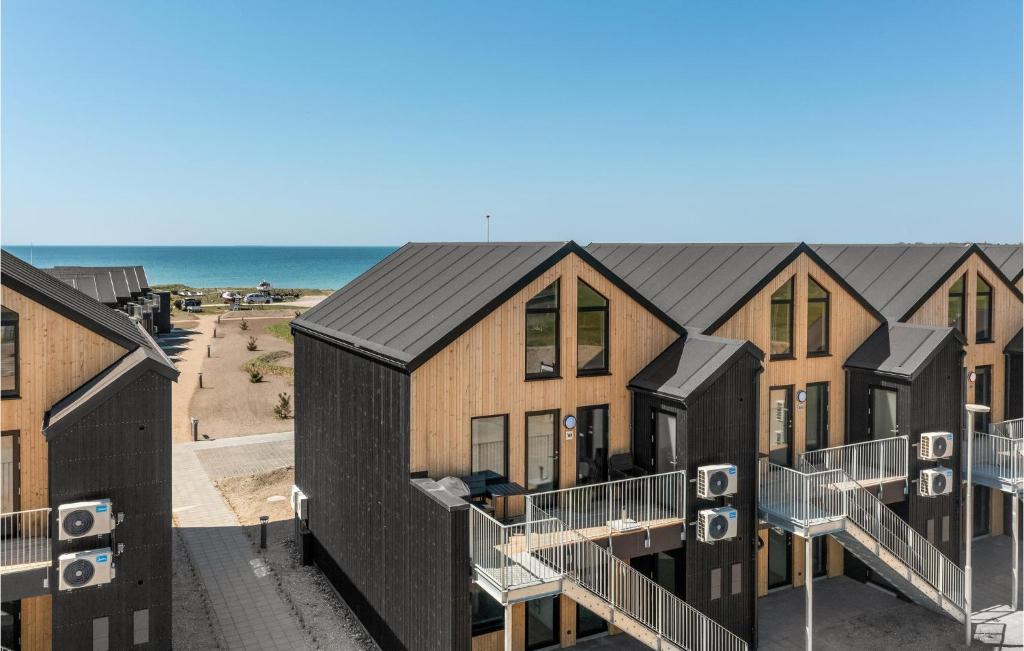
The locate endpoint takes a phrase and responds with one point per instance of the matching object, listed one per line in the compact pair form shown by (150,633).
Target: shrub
(252,344)
(283,408)
(244,325)
(255,376)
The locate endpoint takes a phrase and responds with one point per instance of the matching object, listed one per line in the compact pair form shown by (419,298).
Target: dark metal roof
(140,275)
(97,284)
(126,280)
(901,349)
(690,364)
(80,308)
(1016,344)
(1008,257)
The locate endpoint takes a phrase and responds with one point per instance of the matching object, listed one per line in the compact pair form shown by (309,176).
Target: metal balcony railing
(869,462)
(1000,458)
(1013,429)
(501,552)
(804,499)
(24,539)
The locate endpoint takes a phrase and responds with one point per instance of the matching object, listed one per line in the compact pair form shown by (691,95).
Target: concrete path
(246,455)
(247,608)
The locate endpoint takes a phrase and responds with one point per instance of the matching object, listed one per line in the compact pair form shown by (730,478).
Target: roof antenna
(488,228)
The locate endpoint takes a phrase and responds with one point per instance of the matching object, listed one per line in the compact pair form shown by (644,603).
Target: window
(490,444)
(736,577)
(983,396)
(782,321)
(716,583)
(9,348)
(983,312)
(101,634)
(542,334)
(591,330)
(10,487)
(817,318)
(956,305)
(140,626)
(488,614)
(884,420)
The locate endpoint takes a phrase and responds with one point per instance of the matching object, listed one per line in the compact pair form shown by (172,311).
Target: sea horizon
(215,266)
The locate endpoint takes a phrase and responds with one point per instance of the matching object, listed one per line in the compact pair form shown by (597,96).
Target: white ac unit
(85,569)
(300,504)
(935,445)
(718,524)
(716,480)
(80,519)
(935,481)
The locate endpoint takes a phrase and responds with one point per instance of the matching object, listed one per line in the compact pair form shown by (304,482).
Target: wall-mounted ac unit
(300,504)
(935,481)
(716,480)
(935,445)
(80,519)
(85,569)
(718,524)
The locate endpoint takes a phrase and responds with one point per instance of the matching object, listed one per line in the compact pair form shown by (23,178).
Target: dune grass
(265,364)
(281,331)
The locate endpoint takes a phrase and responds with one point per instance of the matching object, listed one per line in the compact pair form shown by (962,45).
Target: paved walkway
(247,608)
(245,455)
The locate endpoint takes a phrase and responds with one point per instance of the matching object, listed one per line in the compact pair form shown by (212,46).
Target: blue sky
(377,123)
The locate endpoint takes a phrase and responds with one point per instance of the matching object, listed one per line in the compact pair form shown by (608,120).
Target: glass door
(9,482)
(780,424)
(542,623)
(883,413)
(542,450)
(592,445)
(588,622)
(817,416)
(983,396)
(666,444)
(780,559)
(819,548)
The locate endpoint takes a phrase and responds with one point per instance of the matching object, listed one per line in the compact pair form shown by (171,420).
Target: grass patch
(281,331)
(266,363)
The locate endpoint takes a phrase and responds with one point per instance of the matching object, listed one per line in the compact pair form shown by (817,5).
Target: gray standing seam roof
(1008,257)
(689,364)
(901,349)
(97,284)
(126,281)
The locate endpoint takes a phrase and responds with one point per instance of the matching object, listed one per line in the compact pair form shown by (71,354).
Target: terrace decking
(23,554)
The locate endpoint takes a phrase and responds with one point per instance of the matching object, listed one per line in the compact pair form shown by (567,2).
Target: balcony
(998,457)
(25,552)
(869,463)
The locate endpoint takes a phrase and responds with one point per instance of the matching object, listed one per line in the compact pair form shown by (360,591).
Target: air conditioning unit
(85,569)
(718,524)
(80,519)
(300,504)
(935,481)
(935,445)
(716,480)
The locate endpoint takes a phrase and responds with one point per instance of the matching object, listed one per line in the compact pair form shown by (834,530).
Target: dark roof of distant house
(127,280)
(97,284)
(424,295)
(1008,257)
(900,349)
(898,278)
(1016,343)
(80,308)
(702,285)
(690,364)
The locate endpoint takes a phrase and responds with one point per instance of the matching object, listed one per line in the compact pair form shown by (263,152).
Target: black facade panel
(1014,386)
(397,556)
(120,451)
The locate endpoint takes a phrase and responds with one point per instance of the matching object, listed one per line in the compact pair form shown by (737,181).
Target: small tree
(244,325)
(252,344)
(255,376)
(283,408)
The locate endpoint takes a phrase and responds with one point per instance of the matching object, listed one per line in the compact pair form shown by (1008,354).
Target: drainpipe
(969,518)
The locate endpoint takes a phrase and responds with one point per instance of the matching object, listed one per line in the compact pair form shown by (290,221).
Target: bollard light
(195,428)
(263,530)
(200,380)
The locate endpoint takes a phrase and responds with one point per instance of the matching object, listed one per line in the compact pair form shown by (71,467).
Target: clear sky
(376,123)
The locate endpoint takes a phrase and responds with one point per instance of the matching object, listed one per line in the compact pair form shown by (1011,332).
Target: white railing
(868,461)
(1013,429)
(804,498)
(620,505)
(600,573)
(999,456)
(24,538)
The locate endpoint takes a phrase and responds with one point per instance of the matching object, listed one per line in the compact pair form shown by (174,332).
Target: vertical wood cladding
(399,558)
(1014,386)
(717,426)
(121,451)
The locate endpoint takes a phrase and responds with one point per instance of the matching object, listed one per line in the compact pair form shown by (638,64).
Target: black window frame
(791,301)
(828,318)
(961,324)
(556,448)
(987,339)
(606,370)
(982,420)
(504,418)
(557,311)
(10,318)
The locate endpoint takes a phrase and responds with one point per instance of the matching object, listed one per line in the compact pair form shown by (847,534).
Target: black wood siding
(121,451)
(1014,386)
(399,558)
(718,426)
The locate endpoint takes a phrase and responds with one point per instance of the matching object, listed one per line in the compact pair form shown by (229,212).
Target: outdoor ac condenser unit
(935,481)
(935,445)
(85,569)
(80,519)
(718,524)
(716,480)
(300,504)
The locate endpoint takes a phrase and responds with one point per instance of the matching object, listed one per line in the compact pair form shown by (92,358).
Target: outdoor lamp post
(969,516)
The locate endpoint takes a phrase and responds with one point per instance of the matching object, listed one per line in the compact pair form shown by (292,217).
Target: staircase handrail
(867,460)
(1012,428)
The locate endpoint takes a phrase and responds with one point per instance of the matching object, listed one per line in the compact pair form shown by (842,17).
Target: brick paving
(234,457)
(246,605)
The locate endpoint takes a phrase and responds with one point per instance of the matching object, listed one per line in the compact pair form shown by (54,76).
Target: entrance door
(10,501)
(10,625)
(983,396)
(666,442)
(819,548)
(981,512)
(542,450)
(542,622)
(780,424)
(592,445)
(817,416)
(780,559)
(883,413)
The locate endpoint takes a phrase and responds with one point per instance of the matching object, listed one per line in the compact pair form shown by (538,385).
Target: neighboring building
(86,418)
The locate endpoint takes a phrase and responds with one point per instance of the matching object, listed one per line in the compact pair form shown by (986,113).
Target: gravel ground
(325,618)
(191,625)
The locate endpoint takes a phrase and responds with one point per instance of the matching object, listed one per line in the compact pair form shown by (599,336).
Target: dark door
(981,512)
(592,445)
(666,442)
(10,482)
(542,623)
(542,450)
(780,559)
(884,423)
(983,396)
(817,416)
(780,424)
(819,547)
(10,625)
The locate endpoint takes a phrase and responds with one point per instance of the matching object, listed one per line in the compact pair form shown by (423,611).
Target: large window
(9,349)
(490,444)
(487,614)
(542,333)
(817,318)
(956,305)
(782,321)
(983,312)
(591,330)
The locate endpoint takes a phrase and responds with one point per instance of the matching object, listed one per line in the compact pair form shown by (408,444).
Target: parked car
(255,298)
(192,305)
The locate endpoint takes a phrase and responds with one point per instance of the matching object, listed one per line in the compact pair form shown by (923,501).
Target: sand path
(189,366)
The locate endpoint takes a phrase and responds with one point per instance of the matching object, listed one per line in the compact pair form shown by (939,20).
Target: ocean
(305,267)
